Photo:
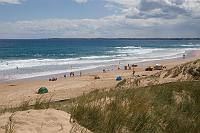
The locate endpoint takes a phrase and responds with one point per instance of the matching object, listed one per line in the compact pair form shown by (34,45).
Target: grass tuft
(9,127)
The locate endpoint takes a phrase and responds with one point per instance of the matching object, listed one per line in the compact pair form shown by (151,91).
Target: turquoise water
(30,58)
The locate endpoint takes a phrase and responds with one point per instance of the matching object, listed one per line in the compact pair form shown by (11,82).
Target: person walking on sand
(70,74)
(118,66)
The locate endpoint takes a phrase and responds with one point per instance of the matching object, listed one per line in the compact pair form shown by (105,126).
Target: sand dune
(39,121)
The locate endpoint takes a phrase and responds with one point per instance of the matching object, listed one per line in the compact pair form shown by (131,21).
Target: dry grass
(40,103)
(148,109)
(9,127)
(190,70)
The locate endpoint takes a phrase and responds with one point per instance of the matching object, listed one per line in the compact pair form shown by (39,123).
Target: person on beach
(118,66)
(183,56)
(104,71)
(80,73)
(71,74)
(133,72)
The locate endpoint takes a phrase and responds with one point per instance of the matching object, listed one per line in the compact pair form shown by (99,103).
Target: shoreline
(14,92)
(143,64)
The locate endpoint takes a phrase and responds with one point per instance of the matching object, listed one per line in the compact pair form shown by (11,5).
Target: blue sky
(99,18)
(44,9)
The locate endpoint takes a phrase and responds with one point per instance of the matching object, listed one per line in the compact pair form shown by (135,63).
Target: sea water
(21,59)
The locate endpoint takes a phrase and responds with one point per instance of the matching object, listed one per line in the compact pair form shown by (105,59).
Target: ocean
(29,58)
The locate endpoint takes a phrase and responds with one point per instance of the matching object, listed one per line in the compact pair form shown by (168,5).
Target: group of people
(72,74)
(128,67)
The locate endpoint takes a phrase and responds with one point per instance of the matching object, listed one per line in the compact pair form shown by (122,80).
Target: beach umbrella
(42,90)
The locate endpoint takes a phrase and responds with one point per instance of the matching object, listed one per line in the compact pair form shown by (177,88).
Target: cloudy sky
(99,18)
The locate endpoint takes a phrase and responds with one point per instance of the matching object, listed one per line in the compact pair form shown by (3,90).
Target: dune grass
(40,102)
(190,69)
(171,107)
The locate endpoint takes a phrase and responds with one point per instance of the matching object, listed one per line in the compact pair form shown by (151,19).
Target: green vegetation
(40,103)
(121,83)
(171,107)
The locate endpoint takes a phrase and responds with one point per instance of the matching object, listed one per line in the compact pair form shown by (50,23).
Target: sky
(99,19)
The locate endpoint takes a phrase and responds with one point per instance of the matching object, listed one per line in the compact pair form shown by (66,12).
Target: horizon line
(128,38)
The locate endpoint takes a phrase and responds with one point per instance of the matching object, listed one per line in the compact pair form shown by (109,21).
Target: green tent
(42,90)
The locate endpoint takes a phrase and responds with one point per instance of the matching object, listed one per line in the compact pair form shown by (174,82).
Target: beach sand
(15,92)
(39,121)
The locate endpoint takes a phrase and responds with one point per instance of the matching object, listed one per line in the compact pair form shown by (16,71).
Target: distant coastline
(102,39)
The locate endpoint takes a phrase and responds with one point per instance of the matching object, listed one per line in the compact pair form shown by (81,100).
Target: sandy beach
(15,92)
(99,66)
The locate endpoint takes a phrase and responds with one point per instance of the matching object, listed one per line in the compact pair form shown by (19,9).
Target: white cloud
(11,1)
(81,1)
(112,26)
(134,18)
(157,8)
